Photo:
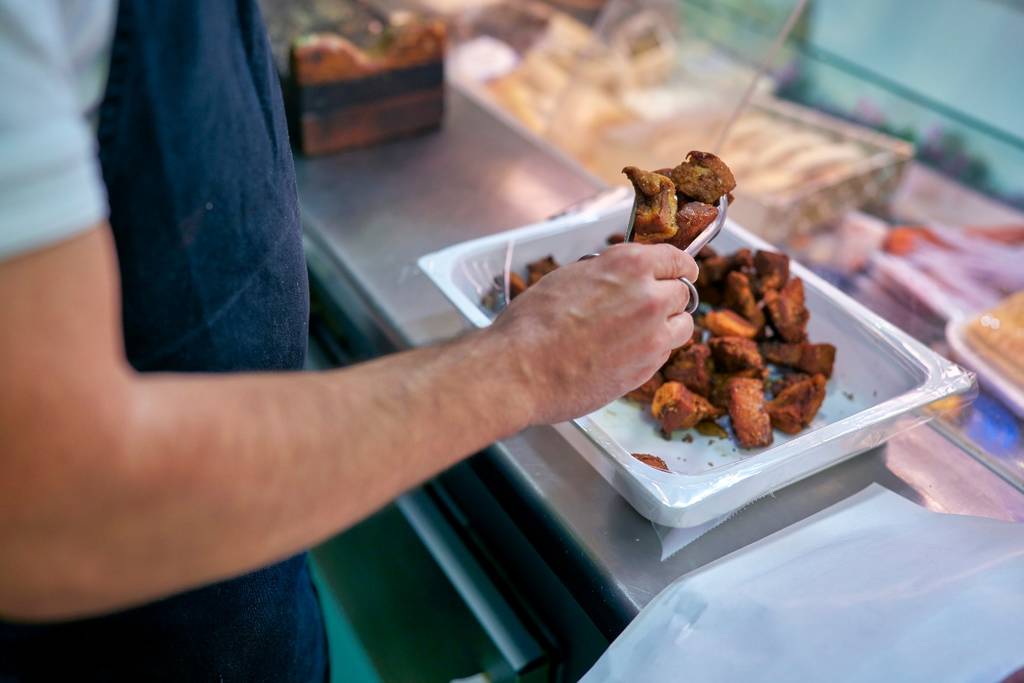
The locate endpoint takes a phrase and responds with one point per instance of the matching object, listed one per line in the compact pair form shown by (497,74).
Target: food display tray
(884,380)
(871,180)
(992,378)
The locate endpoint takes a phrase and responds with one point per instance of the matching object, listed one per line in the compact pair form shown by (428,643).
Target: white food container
(884,381)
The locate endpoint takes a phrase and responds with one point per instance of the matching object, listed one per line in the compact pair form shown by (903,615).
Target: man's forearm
(272,464)
(216,475)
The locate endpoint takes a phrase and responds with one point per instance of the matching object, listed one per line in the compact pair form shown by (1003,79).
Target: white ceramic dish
(883,383)
(991,377)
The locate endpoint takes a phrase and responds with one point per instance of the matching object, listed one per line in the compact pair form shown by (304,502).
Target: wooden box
(353,76)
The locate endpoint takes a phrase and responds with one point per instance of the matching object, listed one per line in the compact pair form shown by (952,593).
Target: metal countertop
(369,214)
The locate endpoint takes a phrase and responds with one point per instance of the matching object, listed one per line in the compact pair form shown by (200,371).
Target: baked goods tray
(992,378)
(884,381)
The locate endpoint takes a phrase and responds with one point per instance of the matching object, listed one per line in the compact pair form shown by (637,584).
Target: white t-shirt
(54,59)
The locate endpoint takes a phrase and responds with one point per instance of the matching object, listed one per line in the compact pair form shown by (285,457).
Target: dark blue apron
(199,173)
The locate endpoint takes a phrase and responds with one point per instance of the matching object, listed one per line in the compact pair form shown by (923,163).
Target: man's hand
(593,330)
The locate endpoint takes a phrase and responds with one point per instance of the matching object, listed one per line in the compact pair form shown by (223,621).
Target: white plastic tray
(991,377)
(883,382)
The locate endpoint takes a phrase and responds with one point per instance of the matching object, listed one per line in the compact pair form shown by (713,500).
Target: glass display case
(859,145)
(651,80)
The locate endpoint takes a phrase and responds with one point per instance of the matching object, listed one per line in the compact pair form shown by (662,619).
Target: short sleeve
(50,182)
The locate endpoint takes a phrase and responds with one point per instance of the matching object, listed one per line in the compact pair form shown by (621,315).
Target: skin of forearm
(272,464)
(214,476)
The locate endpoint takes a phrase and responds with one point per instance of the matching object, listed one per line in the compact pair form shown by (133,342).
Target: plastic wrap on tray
(884,382)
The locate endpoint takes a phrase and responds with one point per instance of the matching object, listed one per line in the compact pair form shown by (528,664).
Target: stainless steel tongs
(702,240)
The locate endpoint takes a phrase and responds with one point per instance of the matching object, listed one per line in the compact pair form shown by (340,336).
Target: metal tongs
(702,240)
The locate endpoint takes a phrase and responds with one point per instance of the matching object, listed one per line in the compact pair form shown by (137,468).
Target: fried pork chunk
(676,407)
(797,404)
(714,268)
(691,365)
(739,296)
(729,324)
(645,392)
(772,270)
(814,359)
(719,395)
(516,285)
(538,269)
(779,385)
(708,280)
(787,311)
(817,359)
(733,354)
(656,206)
(703,177)
(750,420)
(652,461)
(742,259)
(691,219)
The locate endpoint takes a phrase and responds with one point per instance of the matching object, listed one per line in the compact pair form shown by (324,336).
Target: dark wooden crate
(351,77)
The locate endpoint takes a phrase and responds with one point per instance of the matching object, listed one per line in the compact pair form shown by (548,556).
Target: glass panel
(883,147)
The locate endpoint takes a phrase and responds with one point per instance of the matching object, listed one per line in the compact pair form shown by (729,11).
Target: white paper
(873,588)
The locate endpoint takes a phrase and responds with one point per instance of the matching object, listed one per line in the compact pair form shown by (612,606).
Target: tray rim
(941,377)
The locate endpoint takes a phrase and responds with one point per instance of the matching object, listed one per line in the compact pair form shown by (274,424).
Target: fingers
(674,295)
(663,261)
(680,329)
(670,263)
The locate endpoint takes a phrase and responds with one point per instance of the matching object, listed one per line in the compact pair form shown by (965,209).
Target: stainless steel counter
(370,214)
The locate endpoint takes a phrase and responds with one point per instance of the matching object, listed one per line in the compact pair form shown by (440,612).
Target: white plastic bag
(874,588)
